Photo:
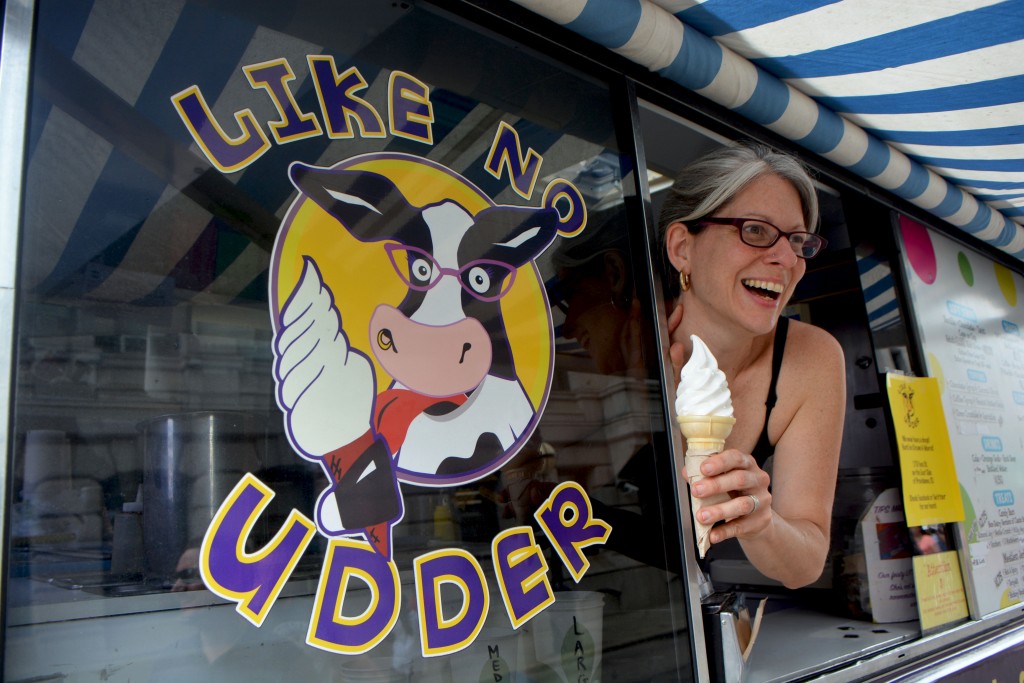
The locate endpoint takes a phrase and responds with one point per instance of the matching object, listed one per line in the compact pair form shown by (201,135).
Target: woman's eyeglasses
(762,234)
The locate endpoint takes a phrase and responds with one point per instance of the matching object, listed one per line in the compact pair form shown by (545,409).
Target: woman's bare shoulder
(813,382)
(815,351)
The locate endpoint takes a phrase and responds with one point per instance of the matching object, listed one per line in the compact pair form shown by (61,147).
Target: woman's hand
(749,510)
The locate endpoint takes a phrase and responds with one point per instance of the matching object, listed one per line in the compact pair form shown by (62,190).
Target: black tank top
(764,448)
(730,548)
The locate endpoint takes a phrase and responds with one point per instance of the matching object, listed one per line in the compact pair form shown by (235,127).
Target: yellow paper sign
(940,589)
(931,493)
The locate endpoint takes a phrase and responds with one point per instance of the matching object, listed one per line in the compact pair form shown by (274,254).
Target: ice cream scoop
(704,414)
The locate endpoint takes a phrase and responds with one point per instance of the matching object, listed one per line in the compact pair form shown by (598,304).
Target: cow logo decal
(412,335)
(413,343)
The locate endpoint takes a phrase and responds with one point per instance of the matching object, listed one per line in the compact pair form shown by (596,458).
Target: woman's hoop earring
(684,281)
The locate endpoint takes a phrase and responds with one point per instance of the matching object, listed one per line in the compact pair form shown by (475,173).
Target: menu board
(969,319)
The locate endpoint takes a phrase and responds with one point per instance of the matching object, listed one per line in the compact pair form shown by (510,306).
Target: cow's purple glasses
(483,279)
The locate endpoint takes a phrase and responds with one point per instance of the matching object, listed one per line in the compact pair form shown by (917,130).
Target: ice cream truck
(338,344)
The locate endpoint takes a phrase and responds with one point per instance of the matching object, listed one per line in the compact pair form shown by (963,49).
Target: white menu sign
(970,311)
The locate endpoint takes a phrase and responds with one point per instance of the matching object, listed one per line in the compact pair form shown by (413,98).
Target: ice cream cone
(705,436)
(705,432)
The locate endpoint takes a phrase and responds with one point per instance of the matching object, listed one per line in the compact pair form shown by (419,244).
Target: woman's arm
(787,537)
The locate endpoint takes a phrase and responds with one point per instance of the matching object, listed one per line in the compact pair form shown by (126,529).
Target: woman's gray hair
(715,179)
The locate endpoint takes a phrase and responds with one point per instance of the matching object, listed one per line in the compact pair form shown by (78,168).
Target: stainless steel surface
(14,77)
(15,50)
(191,462)
(956,661)
(956,642)
(795,642)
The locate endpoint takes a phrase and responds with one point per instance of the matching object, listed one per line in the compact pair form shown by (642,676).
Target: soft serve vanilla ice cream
(704,414)
(702,388)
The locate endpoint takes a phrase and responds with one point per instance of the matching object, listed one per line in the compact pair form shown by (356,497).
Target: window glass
(332,363)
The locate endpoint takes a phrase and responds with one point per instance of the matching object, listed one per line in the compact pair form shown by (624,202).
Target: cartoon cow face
(447,334)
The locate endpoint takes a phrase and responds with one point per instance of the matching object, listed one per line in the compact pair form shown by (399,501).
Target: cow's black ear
(368,205)
(515,235)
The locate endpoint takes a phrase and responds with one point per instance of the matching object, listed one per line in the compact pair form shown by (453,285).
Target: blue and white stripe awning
(925,100)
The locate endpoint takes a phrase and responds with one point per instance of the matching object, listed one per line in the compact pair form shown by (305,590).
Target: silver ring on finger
(755,501)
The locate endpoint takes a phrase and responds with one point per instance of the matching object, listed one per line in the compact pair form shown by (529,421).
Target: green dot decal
(965,268)
(579,656)
(495,670)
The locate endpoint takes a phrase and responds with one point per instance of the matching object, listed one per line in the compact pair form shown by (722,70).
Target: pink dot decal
(920,251)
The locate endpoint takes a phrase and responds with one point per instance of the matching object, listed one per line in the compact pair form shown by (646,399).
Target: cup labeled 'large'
(567,636)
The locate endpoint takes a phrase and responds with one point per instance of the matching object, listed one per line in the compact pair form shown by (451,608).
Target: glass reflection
(145,378)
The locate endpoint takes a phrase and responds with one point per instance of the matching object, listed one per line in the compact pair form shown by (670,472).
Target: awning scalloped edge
(649,35)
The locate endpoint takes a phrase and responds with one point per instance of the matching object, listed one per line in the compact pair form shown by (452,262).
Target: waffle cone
(705,436)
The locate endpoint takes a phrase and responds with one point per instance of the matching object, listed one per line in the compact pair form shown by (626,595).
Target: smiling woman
(787,377)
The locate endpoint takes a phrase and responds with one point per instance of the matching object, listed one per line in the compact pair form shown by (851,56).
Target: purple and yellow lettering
(409,108)
(522,574)
(338,100)
(273,76)
(507,152)
(439,633)
(569,523)
(329,628)
(226,153)
(568,202)
(253,580)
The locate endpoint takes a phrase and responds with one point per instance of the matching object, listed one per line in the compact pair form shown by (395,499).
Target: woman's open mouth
(763,288)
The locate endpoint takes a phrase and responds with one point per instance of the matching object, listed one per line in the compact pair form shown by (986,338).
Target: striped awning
(923,99)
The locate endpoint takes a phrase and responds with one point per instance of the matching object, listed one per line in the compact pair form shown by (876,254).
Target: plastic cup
(567,636)
(376,666)
(493,657)
(47,459)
